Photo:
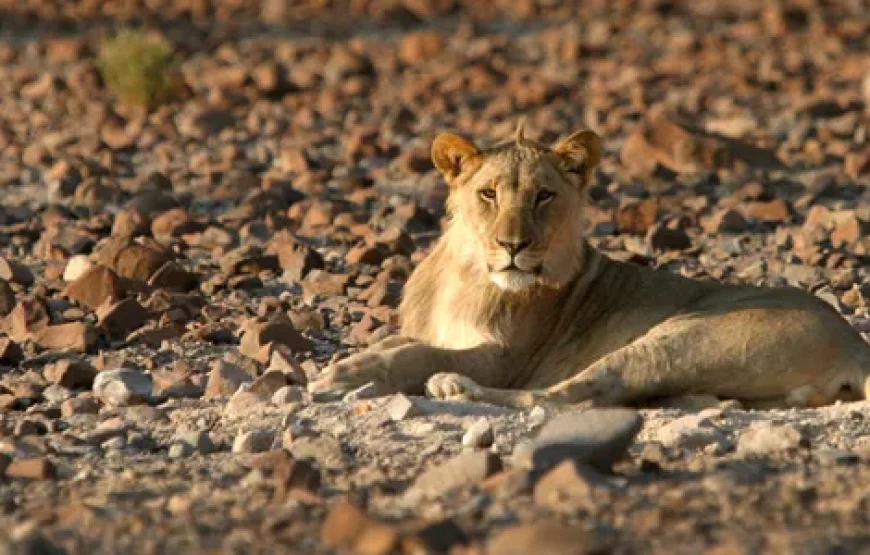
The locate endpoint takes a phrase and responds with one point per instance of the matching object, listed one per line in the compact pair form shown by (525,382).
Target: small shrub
(139,69)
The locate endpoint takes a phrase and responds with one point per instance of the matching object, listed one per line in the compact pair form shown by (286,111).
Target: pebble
(190,443)
(597,437)
(254,441)
(479,435)
(401,407)
(465,469)
(122,387)
(767,439)
(368,391)
(289,394)
(693,431)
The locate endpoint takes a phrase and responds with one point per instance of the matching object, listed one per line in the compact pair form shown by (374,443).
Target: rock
(10,353)
(288,394)
(537,416)
(269,383)
(776,211)
(76,266)
(479,435)
(69,373)
(545,537)
(254,441)
(194,442)
(121,318)
(225,379)
(172,277)
(637,217)
(767,439)
(15,272)
(324,449)
(28,318)
(663,238)
(282,361)
(597,437)
(402,407)
(463,470)
(367,391)
(257,335)
(72,336)
(79,405)
(693,431)
(291,475)
(726,221)
(296,259)
(31,469)
(421,46)
(7,298)
(566,481)
(242,402)
(349,528)
(122,387)
(131,260)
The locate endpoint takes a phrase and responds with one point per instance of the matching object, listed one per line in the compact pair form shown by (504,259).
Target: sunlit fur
(465,292)
(517,173)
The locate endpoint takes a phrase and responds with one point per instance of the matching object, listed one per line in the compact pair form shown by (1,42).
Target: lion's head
(516,209)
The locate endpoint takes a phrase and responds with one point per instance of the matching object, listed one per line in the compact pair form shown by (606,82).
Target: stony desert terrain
(172,276)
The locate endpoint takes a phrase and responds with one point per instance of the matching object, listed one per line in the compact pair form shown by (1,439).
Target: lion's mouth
(513,267)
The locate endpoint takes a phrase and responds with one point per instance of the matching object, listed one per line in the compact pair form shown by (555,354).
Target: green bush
(139,69)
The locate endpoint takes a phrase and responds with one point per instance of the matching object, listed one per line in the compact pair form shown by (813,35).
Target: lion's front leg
(407,367)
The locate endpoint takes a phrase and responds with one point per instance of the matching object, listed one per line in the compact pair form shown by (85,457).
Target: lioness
(513,306)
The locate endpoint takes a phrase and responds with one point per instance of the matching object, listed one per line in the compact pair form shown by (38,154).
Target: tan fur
(513,307)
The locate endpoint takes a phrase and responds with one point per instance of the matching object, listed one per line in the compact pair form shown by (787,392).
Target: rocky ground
(170,280)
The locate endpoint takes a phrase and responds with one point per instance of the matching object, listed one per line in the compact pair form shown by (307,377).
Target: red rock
(848,228)
(15,272)
(372,255)
(130,222)
(343,526)
(662,238)
(31,469)
(725,221)
(296,259)
(7,298)
(131,260)
(568,480)
(421,46)
(70,373)
(72,336)
(291,475)
(10,353)
(29,317)
(225,379)
(256,334)
(79,405)
(173,277)
(96,286)
(637,217)
(267,384)
(121,318)
(776,211)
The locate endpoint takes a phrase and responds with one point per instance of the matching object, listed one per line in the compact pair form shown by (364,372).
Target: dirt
(171,279)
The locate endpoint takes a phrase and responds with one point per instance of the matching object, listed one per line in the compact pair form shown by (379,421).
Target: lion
(514,307)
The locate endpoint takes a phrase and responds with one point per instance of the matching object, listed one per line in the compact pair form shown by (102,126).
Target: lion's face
(518,207)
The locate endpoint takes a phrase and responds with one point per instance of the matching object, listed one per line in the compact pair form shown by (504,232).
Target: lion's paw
(448,385)
(353,372)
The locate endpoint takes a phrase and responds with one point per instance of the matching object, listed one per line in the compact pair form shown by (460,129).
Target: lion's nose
(513,247)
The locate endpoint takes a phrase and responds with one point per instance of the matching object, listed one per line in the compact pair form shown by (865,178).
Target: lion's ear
(450,152)
(580,152)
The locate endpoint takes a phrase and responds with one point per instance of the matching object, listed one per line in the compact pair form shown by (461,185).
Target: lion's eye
(487,194)
(543,197)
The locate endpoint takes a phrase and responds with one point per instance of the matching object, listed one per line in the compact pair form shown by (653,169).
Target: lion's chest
(453,333)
